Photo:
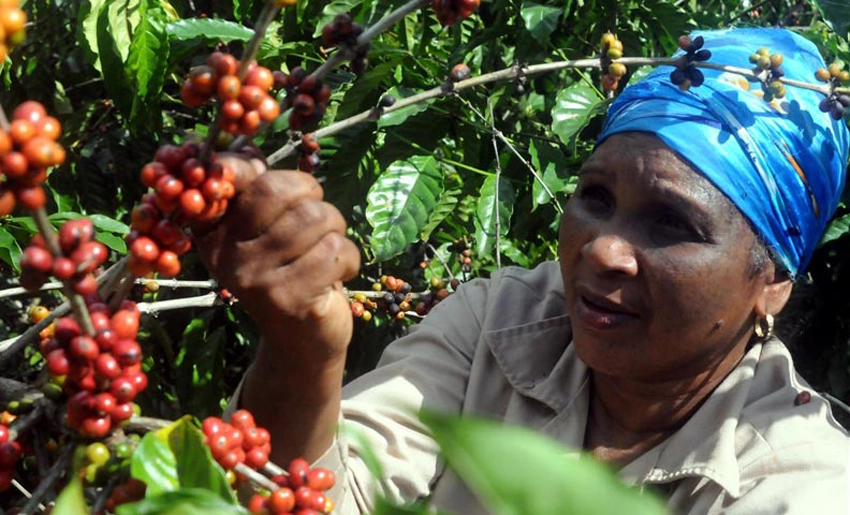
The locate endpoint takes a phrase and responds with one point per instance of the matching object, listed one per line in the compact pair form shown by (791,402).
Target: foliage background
(111,71)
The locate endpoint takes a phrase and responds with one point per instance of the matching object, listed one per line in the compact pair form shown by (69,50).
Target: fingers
(302,286)
(266,200)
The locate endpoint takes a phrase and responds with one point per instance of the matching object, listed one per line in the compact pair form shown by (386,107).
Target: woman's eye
(595,197)
(672,223)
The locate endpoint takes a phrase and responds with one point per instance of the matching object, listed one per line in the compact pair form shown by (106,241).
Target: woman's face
(656,264)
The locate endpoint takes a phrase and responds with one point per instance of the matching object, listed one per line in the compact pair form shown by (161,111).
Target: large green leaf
(540,20)
(574,107)
(400,202)
(105,223)
(176,457)
(71,500)
(87,30)
(837,228)
(147,65)
(837,12)
(113,46)
(185,501)
(517,471)
(445,206)
(208,28)
(487,213)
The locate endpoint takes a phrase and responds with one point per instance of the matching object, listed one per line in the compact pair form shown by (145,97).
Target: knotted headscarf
(783,162)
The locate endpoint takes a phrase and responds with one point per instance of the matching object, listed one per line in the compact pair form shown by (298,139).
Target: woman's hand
(283,252)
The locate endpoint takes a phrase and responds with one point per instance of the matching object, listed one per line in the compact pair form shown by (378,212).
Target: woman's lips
(600,313)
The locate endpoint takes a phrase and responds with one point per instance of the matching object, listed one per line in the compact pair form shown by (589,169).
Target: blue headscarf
(783,162)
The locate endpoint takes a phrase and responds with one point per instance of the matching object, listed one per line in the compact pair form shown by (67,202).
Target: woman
(648,344)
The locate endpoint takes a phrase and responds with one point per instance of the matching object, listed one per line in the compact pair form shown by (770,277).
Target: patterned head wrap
(782,163)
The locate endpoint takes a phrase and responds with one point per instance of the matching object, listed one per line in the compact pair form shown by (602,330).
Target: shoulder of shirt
(785,426)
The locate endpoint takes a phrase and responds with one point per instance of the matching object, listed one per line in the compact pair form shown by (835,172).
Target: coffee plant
(447,132)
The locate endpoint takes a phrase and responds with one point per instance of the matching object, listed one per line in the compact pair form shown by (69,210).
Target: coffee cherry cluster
(836,104)
(612,48)
(184,188)
(244,104)
(438,293)
(342,31)
(28,148)
(450,11)
(13,21)
(301,492)
(10,452)
(307,96)
(241,441)
(308,153)
(686,73)
(81,256)
(769,66)
(463,254)
(102,373)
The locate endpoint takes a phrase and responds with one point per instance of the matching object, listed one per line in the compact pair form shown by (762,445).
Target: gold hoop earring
(763,327)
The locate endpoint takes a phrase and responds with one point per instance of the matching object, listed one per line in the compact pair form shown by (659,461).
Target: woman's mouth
(600,313)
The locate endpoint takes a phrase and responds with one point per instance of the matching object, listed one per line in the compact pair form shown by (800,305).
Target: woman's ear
(775,292)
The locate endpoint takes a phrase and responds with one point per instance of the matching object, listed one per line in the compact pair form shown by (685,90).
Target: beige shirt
(500,348)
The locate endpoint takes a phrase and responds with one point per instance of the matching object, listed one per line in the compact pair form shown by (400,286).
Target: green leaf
(200,367)
(10,251)
(155,464)
(552,167)
(147,65)
(186,501)
(836,13)
(540,20)
(71,500)
(105,223)
(837,228)
(574,107)
(208,28)
(399,203)
(176,457)
(87,30)
(112,241)
(542,477)
(400,116)
(445,206)
(486,213)
(112,49)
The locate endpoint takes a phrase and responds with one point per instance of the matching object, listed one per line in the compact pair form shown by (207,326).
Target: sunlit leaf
(400,116)
(489,215)
(10,251)
(176,457)
(517,471)
(185,501)
(574,107)
(207,28)
(71,500)
(400,202)
(837,228)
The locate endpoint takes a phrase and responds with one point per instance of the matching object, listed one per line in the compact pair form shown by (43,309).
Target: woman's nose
(609,253)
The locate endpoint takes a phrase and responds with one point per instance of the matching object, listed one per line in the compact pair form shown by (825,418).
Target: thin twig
(47,482)
(212,284)
(368,35)
(442,261)
(498,224)
(256,477)
(377,295)
(267,15)
(534,172)
(513,72)
(12,346)
(201,301)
